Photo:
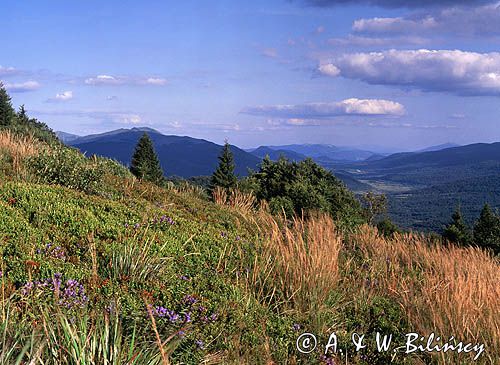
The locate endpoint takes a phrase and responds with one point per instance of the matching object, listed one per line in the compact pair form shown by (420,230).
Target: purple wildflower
(189,299)
(199,344)
(296,327)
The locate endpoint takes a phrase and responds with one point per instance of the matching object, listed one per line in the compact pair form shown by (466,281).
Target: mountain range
(179,155)
(422,187)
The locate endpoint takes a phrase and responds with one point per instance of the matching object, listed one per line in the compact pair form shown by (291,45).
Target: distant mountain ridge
(275,154)
(439,147)
(323,151)
(179,155)
(67,137)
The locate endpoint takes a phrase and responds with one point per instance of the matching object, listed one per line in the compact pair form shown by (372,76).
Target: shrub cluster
(69,168)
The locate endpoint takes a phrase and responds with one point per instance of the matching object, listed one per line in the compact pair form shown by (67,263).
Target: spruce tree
(487,230)
(7,112)
(224,175)
(145,163)
(457,231)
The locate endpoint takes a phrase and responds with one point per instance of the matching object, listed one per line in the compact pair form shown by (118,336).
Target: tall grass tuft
(17,149)
(447,290)
(299,262)
(244,202)
(219,195)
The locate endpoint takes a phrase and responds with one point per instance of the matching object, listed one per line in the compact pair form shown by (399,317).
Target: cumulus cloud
(456,20)
(64,96)
(22,86)
(100,80)
(329,70)
(397,3)
(459,72)
(297,113)
(103,80)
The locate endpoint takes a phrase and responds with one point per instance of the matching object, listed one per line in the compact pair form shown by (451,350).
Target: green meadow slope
(98,267)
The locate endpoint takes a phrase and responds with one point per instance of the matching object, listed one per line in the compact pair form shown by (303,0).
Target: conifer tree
(224,175)
(6,110)
(487,230)
(457,231)
(145,163)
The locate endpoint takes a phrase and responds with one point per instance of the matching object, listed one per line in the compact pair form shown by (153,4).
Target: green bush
(68,167)
(302,187)
(113,167)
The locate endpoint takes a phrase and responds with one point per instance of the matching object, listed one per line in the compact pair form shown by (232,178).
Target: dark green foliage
(112,167)
(487,230)
(224,176)
(20,123)
(6,110)
(145,163)
(25,125)
(373,205)
(68,167)
(305,186)
(387,228)
(282,205)
(457,231)
(367,317)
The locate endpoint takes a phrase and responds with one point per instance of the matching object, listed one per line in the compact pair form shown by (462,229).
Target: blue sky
(386,73)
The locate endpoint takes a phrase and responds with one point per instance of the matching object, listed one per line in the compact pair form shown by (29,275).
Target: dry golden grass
(299,260)
(242,201)
(448,290)
(219,195)
(18,148)
(445,290)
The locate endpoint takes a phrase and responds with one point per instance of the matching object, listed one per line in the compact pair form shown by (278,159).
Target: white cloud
(103,80)
(22,87)
(128,118)
(123,80)
(478,21)
(156,81)
(393,25)
(459,72)
(329,70)
(397,3)
(361,41)
(297,113)
(7,71)
(64,96)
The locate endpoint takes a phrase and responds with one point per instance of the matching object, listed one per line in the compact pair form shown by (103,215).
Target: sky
(386,75)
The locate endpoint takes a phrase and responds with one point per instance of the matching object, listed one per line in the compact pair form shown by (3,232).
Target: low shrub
(68,167)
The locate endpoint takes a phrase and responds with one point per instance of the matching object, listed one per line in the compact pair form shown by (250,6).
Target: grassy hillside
(98,267)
